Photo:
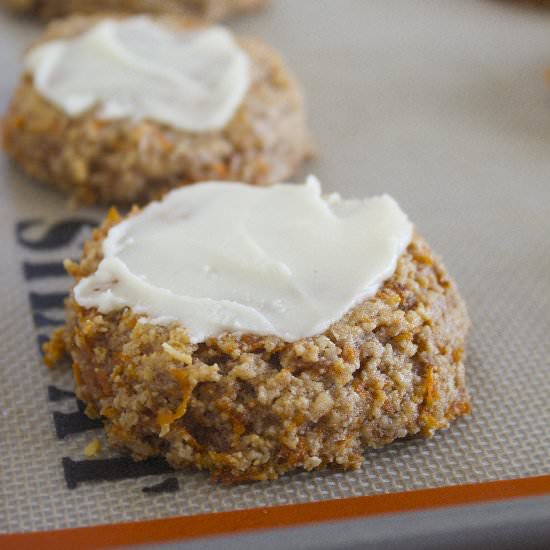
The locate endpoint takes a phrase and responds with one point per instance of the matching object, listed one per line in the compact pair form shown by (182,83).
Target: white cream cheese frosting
(137,68)
(223,257)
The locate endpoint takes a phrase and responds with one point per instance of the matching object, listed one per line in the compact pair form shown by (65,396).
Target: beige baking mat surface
(444,105)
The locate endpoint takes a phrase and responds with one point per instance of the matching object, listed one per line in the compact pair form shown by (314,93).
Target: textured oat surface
(458,134)
(126,161)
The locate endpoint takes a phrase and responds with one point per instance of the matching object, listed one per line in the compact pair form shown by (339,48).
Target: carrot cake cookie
(120,110)
(251,331)
(210,9)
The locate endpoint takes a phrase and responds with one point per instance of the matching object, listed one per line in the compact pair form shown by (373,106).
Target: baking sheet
(443,104)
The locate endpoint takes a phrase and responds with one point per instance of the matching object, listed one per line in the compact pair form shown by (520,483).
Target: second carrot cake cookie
(123,109)
(209,9)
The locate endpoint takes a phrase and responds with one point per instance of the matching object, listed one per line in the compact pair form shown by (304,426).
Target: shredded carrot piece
(166,417)
(113,216)
(76,373)
(54,348)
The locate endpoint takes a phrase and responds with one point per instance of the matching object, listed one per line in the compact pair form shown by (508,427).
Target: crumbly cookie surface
(209,9)
(250,407)
(124,161)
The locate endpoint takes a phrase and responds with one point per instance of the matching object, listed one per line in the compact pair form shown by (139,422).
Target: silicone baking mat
(443,104)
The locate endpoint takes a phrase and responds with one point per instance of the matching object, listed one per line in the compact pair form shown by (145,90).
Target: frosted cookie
(121,110)
(251,331)
(209,9)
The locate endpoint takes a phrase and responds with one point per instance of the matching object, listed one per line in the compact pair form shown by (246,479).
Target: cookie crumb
(93,448)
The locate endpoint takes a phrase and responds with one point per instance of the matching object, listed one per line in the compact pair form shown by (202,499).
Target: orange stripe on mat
(185,527)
